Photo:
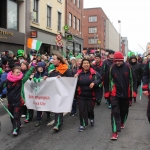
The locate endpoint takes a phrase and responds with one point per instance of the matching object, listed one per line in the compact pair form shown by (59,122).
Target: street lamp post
(119,21)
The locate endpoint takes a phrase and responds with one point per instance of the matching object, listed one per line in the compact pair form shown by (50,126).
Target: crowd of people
(115,78)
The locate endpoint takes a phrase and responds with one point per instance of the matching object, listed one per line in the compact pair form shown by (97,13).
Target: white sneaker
(23,116)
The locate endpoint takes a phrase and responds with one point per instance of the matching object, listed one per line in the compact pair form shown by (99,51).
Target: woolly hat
(72,58)
(10,53)
(118,56)
(41,64)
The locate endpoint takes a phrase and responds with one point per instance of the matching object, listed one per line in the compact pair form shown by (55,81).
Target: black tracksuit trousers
(86,110)
(119,112)
(15,110)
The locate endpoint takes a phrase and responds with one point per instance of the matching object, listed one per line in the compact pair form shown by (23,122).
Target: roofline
(97,8)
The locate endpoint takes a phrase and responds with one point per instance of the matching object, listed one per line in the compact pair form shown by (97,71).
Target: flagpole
(6,109)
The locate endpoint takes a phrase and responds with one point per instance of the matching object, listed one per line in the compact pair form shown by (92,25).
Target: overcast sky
(134,16)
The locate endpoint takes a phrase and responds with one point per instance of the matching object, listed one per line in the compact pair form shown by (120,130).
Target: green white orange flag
(34,44)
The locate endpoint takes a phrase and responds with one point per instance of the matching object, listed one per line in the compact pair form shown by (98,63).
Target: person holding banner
(14,83)
(88,81)
(60,70)
(41,73)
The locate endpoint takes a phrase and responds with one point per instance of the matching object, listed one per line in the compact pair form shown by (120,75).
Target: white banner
(53,94)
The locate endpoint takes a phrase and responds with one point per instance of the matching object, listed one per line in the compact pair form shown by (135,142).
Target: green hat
(38,55)
(20,53)
(79,56)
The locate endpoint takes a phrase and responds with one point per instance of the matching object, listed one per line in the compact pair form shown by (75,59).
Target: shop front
(48,40)
(11,40)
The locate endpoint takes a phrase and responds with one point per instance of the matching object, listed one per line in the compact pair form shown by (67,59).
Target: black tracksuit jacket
(84,81)
(121,82)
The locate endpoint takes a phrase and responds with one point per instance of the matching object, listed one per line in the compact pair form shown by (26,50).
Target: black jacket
(121,82)
(55,73)
(84,81)
(138,70)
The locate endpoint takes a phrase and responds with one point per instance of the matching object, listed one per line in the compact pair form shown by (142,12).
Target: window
(93,19)
(78,24)
(49,11)
(59,21)
(74,23)
(35,10)
(78,3)
(74,2)
(92,41)
(70,19)
(93,30)
(12,16)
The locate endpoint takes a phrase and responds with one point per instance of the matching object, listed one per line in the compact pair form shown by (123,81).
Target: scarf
(62,68)
(13,78)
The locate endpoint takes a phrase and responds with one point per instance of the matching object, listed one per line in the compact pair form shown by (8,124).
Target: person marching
(14,83)
(61,69)
(88,80)
(97,66)
(105,67)
(138,70)
(146,86)
(120,87)
(41,74)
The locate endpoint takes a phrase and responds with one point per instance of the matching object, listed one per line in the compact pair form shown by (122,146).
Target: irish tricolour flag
(34,44)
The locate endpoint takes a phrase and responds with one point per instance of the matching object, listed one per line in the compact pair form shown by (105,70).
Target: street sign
(66,27)
(59,43)
(58,37)
(69,37)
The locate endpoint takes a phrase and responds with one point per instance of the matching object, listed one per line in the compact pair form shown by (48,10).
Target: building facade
(12,25)
(112,37)
(46,19)
(94,29)
(124,46)
(73,19)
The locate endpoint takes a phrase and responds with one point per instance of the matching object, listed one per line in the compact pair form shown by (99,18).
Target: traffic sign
(59,43)
(58,37)
(66,27)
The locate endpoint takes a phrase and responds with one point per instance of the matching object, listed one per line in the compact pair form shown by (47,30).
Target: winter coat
(138,70)
(15,86)
(84,81)
(121,82)
(98,67)
(146,77)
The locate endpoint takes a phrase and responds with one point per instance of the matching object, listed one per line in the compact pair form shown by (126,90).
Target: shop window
(59,21)
(49,11)
(36,10)
(12,15)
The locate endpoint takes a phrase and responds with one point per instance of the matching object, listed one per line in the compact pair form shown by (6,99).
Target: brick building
(73,19)
(94,28)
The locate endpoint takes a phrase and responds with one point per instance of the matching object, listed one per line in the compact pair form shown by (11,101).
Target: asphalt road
(135,136)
